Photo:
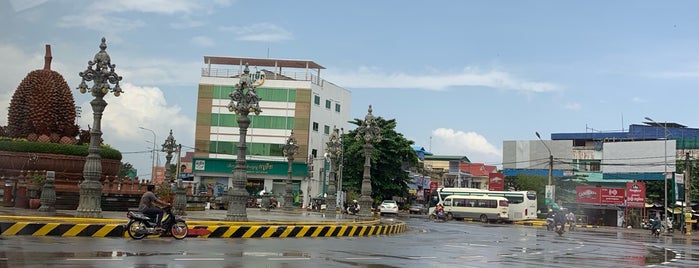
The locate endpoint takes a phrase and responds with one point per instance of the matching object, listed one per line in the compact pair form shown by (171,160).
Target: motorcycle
(549,224)
(352,209)
(560,229)
(140,225)
(438,215)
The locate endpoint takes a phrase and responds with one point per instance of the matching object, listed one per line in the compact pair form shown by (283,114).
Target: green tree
(124,169)
(390,159)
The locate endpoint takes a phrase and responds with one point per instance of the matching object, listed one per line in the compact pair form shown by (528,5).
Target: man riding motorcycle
(560,218)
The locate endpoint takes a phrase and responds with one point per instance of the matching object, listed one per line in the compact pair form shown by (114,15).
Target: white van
(483,208)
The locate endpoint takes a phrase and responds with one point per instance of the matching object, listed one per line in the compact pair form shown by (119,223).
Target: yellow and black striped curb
(204,229)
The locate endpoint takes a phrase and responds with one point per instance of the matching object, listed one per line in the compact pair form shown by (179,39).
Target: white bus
(522,204)
(483,208)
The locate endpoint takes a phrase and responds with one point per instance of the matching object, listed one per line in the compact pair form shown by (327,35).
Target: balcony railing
(231,73)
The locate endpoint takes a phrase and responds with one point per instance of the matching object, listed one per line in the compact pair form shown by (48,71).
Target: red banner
(599,195)
(635,194)
(612,196)
(496,181)
(434,185)
(585,194)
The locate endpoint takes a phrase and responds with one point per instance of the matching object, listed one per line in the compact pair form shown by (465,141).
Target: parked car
(418,208)
(388,207)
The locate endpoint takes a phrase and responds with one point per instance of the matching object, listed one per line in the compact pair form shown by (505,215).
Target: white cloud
(100,22)
(147,6)
(203,41)
(373,78)
(265,32)
(691,74)
(446,141)
(139,107)
(638,100)
(573,106)
(21,5)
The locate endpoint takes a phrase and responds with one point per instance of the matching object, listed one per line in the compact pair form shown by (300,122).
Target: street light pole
(552,188)
(244,100)
(334,149)
(368,131)
(665,165)
(180,203)
(309,165)
(290,149)
(102,75)
(152,155)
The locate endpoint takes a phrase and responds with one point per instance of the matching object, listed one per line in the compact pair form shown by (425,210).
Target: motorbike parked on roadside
(140,225)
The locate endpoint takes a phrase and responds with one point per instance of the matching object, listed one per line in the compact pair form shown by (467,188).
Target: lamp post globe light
(244,100)
(551,189)
(369,131)
(180,203)
(290,149)
(665,162)
(334,149)
(101,72)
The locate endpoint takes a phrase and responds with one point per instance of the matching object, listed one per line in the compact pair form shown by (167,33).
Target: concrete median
(86,227)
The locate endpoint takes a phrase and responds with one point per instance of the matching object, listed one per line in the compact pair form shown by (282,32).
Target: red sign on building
(585,194)
(496,182)
(635,194)
(612,196)
(434,185)
(599,195)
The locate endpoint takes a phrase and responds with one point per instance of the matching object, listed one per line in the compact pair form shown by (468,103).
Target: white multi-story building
(294,97)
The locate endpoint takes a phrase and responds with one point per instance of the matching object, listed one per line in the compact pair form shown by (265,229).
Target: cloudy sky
(460,77)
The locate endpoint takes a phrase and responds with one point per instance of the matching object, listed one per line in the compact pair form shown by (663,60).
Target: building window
(327,104)
(337,107)
(314,153)
(316,100)
(315,126)
(327,130)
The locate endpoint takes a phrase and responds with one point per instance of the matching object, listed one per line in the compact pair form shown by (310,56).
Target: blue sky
(459,77)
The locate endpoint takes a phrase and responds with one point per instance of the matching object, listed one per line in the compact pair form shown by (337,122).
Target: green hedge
(17,145)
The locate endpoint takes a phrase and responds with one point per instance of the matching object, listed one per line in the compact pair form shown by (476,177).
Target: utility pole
(687,201)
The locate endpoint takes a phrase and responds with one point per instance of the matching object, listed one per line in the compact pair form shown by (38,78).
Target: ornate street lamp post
(244,100)
(290,149)
(102,75)
(180,202)
(309,165)
(369,131)
(334,149)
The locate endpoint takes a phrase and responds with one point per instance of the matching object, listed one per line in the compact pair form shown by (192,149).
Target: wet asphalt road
(426,244)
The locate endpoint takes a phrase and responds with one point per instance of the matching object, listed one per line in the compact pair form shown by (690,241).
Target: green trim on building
(256,121)
(229,147)
(274,168)
(267,94)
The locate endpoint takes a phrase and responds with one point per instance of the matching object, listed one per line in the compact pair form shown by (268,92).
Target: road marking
(289,259)
(94,259)
(200,259)
(363,258)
